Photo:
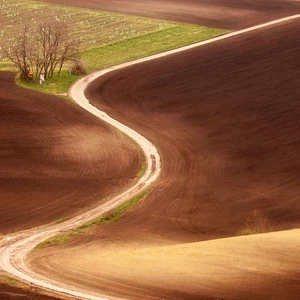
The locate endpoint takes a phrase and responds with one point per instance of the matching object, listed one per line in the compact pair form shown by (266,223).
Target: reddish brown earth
(56,159)
(229,14)
(225,117)
(226,120)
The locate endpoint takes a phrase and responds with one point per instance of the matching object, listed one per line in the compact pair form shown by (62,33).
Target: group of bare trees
(43,49)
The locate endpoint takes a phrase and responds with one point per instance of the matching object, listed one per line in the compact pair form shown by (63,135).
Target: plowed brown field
(56,159)
(229,14)
(225,117)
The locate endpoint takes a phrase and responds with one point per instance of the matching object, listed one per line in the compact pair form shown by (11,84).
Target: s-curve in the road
(13,249)
(151,154)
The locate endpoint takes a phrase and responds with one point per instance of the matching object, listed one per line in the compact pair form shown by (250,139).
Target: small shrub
(256,223)
(77,68)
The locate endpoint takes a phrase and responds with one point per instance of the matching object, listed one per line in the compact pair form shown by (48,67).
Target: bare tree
(46,51)
(19,53)
(69,52)
(57,47)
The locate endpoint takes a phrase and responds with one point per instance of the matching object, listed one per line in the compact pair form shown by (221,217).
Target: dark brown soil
(229,14)
(56,159)
(225,118)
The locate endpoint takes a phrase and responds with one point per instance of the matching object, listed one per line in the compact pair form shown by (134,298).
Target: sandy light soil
(229,14)
(56,159)
(225,117)
(262,266)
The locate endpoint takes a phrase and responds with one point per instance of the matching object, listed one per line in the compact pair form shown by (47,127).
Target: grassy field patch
(106,38)
(152,43)
(92,27)
(127,50)
(6,66)
(55,86)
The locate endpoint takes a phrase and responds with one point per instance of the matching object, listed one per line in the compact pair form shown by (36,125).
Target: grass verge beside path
(21,290)
(11,281)
(109,217)
(142,170)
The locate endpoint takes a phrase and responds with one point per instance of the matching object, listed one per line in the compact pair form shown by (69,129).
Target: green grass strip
(6,66)
(148,44)
(142,170)
(109,217)
(11,281)
(93,28)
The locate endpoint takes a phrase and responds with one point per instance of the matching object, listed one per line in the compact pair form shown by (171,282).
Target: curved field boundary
(13,249)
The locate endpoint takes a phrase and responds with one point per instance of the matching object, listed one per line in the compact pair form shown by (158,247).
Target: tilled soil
(56,159)
(225,117)
(228,14)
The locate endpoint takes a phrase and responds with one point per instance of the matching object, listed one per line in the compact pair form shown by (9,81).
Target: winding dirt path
(13,249)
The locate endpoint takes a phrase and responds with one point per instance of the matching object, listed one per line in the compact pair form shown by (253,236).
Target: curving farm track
(225,119)
(229,161)
(231,113)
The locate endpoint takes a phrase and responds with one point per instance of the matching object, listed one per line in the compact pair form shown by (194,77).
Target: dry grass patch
(255,223)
